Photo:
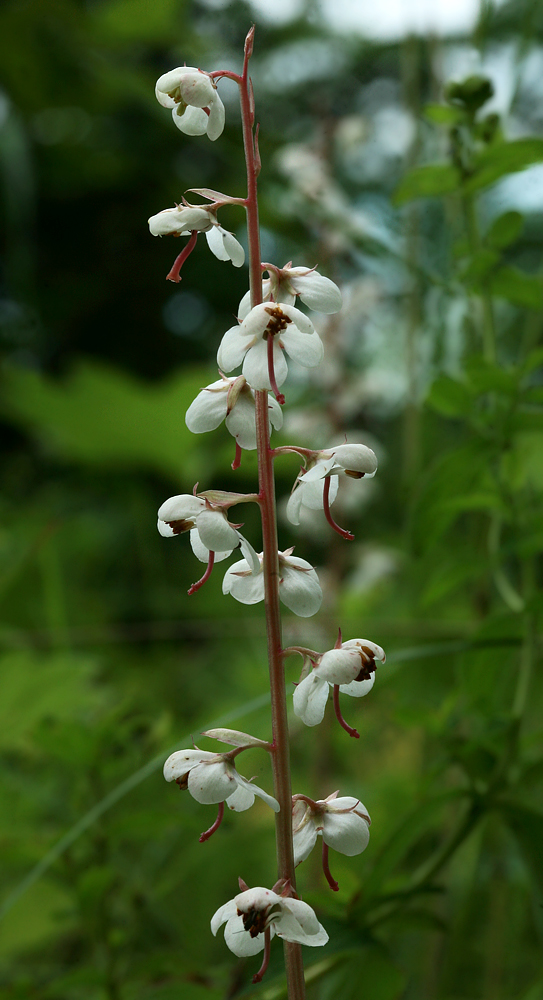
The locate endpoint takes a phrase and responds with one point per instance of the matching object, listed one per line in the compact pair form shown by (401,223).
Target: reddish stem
(174,275)
(327,514)
(271,372)
(325,867)
(280,756)
(199,583)
(258,976)
(348,729)
(215,826)
(237,459)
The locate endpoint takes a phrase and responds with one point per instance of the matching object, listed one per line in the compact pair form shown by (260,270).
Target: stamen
(174,275)
(258,976)
(348,729)
(199,583)
(215,826)
(271,372)
(331,881)
(237,460)
(327,514)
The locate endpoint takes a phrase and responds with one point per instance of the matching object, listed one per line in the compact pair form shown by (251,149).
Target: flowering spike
(215,826)
(348,729)
(325,867)
(173,274)
(326,500)
(203,579)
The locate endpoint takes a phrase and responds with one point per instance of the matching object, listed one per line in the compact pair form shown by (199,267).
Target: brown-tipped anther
(326,504)
(328,875)
(199,583)
(215,826)
(348,729)
(271,374)
(237,459)
(368,665)
(174,275)
(338,640)
(183,781)
(258,976)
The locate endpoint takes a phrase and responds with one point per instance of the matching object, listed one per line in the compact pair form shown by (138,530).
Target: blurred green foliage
(415,194)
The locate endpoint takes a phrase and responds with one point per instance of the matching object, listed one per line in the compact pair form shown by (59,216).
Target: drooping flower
(209,527)
(253,912)
(285,284)
(343,823)
(299,587)
(260,340)
(184,219)
(349,668)
(315,488)
(213,778)
(192,95)
(231,400)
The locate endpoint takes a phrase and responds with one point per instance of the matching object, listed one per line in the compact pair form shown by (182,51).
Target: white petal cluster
(249,914)
(231,400)
(210,530)
(343,823)
(354,460)
(184,219)
(292,332)
(212,777)
(286,283)
(192,95)
(337,666)
(299,587)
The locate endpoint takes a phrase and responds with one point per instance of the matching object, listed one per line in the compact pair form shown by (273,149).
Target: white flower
(289,329)
(231,400)
(351,667)
(354,460)
(192,95)
(286,283)
(184,219)
(251,912)
(210,530)
(212,777)
(299,587)
(343,824)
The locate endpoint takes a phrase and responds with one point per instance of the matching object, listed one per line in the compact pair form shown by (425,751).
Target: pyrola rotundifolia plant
(271,329)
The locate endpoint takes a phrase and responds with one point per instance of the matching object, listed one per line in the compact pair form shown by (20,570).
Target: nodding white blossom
(184,219)
(354,460)
(231,400)
(286,283)
(192,95)
(252,912)
(299,587)
(343,823)
(210,530)
(352,667)
(212,777)
(290,330)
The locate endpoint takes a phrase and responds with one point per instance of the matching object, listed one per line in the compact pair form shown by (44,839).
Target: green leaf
(101,416)
(527,826)
(369,965)
(505,230)
(427,182)
(483,376)
(442,114)
(507,158)
(449,397)
(479,266)
(519,288)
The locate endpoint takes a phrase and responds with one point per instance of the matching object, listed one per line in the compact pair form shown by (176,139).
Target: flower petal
(240,941)
(241,423)
(299,589)
(232,348)
(346,832)
(241,799)
(215,122)
(298,923)
(224,913)
(309,699)
(212,782)
(255,366)
(244,307)
(256,790)
(180,508)
(306,349)
(235,251)
(339,666)
(318,292)
(215,531)
(181,762)
(201,551)
(357,689)
(304,831)
(247,589)
(208,410)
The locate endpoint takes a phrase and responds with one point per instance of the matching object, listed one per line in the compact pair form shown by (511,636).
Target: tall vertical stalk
(280,754)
